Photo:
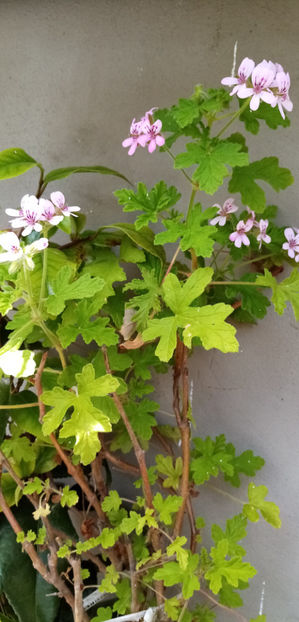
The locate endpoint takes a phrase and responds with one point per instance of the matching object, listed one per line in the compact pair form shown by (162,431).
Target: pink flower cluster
(144,132)
(34,212)
(292,243)
(266,81)
(239,236)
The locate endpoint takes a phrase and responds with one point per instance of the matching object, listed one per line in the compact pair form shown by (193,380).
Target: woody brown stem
(79,613)
(122,465)
(139,453)
(48,575)
(76,472)
(181,374)
(140,457)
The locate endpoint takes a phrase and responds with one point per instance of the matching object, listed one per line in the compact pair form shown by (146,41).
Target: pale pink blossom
(153,136)
(48,212)
(11,244)
(227,208)
(15,253)
(292,244)
(58,199)
(251,217)
(28,216)
(244,72)
(262,235)
(239,236)
(137,137)
(282,83)
(262,78)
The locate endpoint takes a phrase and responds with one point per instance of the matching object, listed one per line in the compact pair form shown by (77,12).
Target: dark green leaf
(268,170)
(60,173)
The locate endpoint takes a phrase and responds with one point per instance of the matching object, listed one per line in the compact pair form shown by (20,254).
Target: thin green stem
(245,263)
(44,277)
(226,494)
(12,406)
(191,202)
(41,182)
(235,116)
(171,263)
(54,341)
(181,169)
(183,610)
(237,283)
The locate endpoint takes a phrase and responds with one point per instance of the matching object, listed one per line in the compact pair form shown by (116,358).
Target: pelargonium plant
(75,543)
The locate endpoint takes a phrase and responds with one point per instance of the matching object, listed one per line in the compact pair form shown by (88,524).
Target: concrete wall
(73,74)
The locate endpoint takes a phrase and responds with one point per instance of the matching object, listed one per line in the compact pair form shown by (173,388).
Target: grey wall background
(73,74)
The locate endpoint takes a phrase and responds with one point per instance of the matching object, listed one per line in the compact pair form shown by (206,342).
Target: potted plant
(76,543)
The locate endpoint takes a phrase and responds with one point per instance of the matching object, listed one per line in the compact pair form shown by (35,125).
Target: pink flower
(11,244)
(262,77)
(136,135)
(244,72)
(153,136)
(58,200)
(28,216)
(282,82)
(262,235)
(239,236)
(48,212)
(251,217)
(292,244)
(223,212)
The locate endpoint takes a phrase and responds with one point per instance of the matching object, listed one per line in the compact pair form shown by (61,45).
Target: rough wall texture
(73,74)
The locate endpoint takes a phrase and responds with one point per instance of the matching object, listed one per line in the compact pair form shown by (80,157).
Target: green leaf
(171,574)
(61,173)
(234,532)
(185,112)
(147,301)
(150,202)
(213,157)
(197,235)
(176,548)
(283,292)
(112,502)
(36,485)
(270,115)
(268,509)
(268,170)
(110,580)
(107,268)
(8,296)
(68,497)
(84,287)
(261,618)
(130,253)
(123,591)
(15,162)
(166,507)
(4,414)
(172,608)
(77,320)
(246,463)
(172,468)
(56,260)
(143,238)
(210,457)
(103,614)
(252,299)
(228,596)
(86,421)
(233,570)
(8,486)
(207,322)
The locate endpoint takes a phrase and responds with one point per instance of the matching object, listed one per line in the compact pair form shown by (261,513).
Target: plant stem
(181,372)
(79,614)
(183,610)
(182,170)
(44,277)
(232,611)
(237,283)
(41,182)
(256,259)
(235,116)
(13,406)
(171,263)
(226,494)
